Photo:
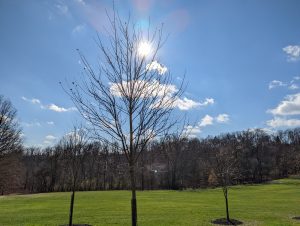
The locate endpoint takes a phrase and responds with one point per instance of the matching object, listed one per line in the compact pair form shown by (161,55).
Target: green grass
(269,204)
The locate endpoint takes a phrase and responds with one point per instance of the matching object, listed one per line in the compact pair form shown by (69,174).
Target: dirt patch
(223,221)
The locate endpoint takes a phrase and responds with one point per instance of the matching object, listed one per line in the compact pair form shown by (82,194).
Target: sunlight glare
(144,49)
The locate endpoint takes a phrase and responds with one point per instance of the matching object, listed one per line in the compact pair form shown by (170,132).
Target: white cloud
(33,100)
(293,52)
(222,118)
(185,104)
(50,123)
(56,108)
(289,106)
(275,83)
(207,101)
(155,66)
(293,86)
(191,131)
(78,29)
(282,122)
(206,120)
(50,137)
(51,107)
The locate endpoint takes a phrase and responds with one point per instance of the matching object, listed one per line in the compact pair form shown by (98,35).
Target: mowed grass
(268,204)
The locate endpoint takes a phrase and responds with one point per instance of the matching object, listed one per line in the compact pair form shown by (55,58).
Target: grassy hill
(268,204)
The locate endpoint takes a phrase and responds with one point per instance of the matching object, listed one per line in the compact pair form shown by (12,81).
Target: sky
(240,60)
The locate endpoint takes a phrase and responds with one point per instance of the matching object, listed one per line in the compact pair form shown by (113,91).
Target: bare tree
(131,97)
(73,146)
(10,131)
(10,147)
(225,170)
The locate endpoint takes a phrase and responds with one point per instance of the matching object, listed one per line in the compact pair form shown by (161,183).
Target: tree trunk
(133,197)
(71,208)
(227,207)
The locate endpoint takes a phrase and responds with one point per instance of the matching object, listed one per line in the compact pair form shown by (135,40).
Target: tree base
(223,221)
(76,225)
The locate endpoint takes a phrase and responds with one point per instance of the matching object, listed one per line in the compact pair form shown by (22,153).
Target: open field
(268,204)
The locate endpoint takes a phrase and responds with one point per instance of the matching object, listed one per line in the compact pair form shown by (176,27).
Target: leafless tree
(131,97)
(225,170)
(10,147)
(10,131)
(73,146)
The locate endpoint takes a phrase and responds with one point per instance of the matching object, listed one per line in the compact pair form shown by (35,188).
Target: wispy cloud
(62,8)
(52,107)
(289,106)
(31,124)
(33,100)
(208,101)
(276,83)
(293,52)
(56,108)
(78,29)
(293,87)
(50,123)
(297,77)
(290,85)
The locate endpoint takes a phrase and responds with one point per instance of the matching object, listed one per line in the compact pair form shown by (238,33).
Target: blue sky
(245,55)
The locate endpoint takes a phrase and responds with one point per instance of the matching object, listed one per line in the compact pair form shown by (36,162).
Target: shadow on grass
(223,221)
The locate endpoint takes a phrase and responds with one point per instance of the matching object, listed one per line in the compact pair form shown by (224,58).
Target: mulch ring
(223,221)
(76,225)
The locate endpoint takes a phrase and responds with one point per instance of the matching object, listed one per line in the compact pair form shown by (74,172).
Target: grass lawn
(269,204)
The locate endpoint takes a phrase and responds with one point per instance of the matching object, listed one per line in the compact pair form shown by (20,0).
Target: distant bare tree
(73,146)
(10,147)
(10,131)
(131,98)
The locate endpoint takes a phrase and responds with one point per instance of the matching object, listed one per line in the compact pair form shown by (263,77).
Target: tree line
(171,163)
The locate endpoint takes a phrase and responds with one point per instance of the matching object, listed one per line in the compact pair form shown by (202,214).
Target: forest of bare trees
(173,163)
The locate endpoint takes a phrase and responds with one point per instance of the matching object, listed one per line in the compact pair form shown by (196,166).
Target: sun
(144,49)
